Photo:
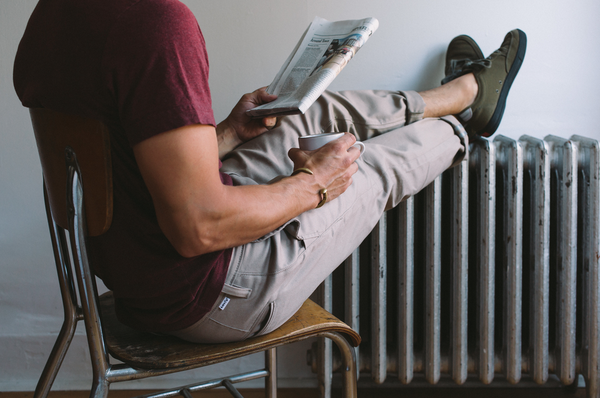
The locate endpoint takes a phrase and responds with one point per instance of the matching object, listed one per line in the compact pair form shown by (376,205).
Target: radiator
(490,274)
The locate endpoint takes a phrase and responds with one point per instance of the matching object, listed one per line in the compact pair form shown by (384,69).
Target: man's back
(139,66)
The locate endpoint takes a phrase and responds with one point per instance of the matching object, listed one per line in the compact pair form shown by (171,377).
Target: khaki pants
(269,279)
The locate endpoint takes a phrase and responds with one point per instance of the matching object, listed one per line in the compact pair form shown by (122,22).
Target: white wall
(557,92)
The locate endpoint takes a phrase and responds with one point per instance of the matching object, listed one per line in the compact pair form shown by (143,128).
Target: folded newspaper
(323,51)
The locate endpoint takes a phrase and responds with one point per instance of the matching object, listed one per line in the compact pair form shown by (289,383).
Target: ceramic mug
(316,141)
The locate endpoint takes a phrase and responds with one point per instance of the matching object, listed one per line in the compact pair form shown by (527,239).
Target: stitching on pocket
(236,291)
(227,326)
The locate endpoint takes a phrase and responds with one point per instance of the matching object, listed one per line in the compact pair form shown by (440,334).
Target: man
(216,252)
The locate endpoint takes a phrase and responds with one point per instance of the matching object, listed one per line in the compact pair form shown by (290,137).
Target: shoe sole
(494,122)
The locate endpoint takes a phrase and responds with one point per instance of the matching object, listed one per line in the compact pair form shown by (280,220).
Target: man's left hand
(239,127)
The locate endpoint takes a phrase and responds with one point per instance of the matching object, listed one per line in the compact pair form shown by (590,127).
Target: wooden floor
(362,393)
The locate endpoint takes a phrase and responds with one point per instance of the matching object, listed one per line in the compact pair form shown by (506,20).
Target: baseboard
(404,392)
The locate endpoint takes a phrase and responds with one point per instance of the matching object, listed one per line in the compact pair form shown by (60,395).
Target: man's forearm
(237,215)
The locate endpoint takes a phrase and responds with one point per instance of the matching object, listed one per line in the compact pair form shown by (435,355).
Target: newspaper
(322,52)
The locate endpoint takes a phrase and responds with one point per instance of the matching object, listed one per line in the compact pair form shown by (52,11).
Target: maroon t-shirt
(141,67)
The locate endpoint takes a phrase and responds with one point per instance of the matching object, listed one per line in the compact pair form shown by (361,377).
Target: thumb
(264,96)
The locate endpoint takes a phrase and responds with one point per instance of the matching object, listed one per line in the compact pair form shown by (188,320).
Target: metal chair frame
(81,302)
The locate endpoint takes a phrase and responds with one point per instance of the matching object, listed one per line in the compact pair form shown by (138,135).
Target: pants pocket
(265,321)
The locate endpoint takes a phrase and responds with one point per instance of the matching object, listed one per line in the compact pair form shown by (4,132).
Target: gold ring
(323,193)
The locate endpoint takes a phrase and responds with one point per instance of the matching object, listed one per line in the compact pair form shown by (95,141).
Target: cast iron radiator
(490,273)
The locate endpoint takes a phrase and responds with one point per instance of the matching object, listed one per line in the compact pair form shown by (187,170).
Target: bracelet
(323,193)
(303,170)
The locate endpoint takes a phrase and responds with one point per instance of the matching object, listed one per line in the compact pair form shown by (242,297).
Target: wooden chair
(75,157)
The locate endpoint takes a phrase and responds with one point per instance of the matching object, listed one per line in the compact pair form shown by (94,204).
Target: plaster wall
(557,92)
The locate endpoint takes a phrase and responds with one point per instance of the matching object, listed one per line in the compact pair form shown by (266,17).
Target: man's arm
(199,214)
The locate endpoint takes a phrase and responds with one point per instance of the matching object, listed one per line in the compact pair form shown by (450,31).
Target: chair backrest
(89,140)
(75,157)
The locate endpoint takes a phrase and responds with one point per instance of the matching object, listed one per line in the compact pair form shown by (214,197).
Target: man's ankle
(468,84)
(451,98)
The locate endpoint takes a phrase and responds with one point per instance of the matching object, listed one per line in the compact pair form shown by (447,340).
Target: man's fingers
(269,122)
(348,138)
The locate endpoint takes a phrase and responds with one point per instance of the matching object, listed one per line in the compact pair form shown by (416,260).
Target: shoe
(462,51)
(494,76)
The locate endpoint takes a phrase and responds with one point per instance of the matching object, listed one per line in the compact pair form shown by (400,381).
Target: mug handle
(360,146)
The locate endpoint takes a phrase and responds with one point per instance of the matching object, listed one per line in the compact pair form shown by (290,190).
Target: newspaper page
(322,52)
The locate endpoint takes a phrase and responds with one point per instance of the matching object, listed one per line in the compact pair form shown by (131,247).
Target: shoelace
(459,67)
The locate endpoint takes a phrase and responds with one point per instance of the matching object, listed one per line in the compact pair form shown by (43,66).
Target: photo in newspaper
(323,51)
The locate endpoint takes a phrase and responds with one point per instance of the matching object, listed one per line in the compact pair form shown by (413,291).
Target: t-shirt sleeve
(156,67)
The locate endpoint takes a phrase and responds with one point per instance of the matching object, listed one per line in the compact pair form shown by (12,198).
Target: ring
(323,193)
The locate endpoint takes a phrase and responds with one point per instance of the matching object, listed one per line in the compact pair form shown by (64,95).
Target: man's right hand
(333,164)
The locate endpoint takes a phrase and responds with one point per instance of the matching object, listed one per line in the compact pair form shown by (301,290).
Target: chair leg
(99,389)
(63,341)
(271,366)
(348,364)
(231,388)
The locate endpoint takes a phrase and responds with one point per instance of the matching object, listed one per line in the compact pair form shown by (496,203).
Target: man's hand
(333,164)
(239,127)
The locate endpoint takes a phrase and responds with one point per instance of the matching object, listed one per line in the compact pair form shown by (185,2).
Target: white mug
(312,142)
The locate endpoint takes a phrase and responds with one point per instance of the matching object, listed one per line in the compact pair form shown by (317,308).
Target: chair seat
(149,351)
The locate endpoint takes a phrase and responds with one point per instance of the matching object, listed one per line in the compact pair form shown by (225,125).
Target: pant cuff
(415,106)
(460,132)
